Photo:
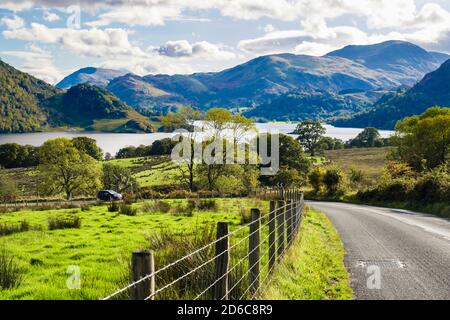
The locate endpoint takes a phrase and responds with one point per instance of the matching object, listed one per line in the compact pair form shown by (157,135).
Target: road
(391,253)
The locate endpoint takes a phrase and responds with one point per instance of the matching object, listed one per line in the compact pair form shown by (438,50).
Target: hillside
(433,90)
(316,104)
(20,99)
(401,61)
(28,105)
(95,108)
(95,76)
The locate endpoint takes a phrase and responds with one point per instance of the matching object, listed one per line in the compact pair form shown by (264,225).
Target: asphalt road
(391,253)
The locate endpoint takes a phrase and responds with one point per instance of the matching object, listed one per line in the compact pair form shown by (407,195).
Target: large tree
(423,141)
(88,146)
(118,178)
(184,119)
(309,134)
(65,169)
(368,138)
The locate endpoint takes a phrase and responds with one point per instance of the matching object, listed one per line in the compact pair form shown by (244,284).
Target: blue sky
(44,38)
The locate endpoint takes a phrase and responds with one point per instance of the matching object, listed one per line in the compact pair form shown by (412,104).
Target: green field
(314,268)
(101,247)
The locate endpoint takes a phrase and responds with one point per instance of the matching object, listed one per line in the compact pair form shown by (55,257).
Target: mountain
(433,90)
(401,61)
(94,108)
(258,82)
(316,104)
(28,105)
(20,98)
(249,84)
(96,76)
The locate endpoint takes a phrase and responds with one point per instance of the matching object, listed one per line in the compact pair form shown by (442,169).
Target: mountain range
(281,86)
(354,86)
(28,105)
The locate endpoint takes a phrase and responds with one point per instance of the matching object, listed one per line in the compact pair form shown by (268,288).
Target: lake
(113,142)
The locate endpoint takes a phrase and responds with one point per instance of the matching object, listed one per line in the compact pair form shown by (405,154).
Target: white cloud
(201,49)
(37,62)
(50,16)
(13,23)
(94,42)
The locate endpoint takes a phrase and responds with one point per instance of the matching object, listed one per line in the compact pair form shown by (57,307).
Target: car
(109,195)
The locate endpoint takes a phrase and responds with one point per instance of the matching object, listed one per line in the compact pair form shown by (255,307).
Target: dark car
(109,195)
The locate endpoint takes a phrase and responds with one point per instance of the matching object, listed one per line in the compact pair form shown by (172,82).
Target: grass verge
(313,269)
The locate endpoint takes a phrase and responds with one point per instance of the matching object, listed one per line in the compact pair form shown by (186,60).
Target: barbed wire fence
(237,265)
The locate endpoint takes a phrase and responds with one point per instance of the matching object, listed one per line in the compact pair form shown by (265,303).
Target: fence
(237,265)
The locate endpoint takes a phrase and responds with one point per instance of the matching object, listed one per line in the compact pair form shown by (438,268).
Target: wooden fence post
(254,252)
(221,262)
(143,264)
(281,211)
(272,235)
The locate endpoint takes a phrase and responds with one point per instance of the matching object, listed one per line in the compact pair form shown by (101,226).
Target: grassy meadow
(102,247)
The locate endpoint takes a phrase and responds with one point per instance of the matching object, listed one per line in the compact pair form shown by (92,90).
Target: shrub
(64,222)
(315,179)
(356,176)
(85,207)
(333,180)
(7,229)
(433,186)
(11,275)
(204,204)
(127,210)
(113,207)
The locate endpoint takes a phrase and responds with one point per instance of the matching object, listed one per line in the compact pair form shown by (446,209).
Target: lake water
(112,142)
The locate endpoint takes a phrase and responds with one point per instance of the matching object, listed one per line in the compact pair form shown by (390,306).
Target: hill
(95,76)
(432,90)
(20,99)
(28,105)
(401,61)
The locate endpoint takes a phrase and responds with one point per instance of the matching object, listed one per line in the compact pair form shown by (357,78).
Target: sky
(53,38)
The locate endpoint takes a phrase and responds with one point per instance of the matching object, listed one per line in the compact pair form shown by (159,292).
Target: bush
(356,176)
(203,204)
(65,222)
(333,180)
(315,179)
(11,275)
(7,229)
(85,207)
(127,210)
(433,186)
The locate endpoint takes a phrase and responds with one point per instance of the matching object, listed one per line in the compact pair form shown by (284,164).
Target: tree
(118,178)
(218,120)
(368,138)
(329,143)
(13,155)
(291,156)
(162,147)
(309,133)
(423,141)
(126,153)
(108,156)
(88,146)
(184,119)
(64,168)
(286,177)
